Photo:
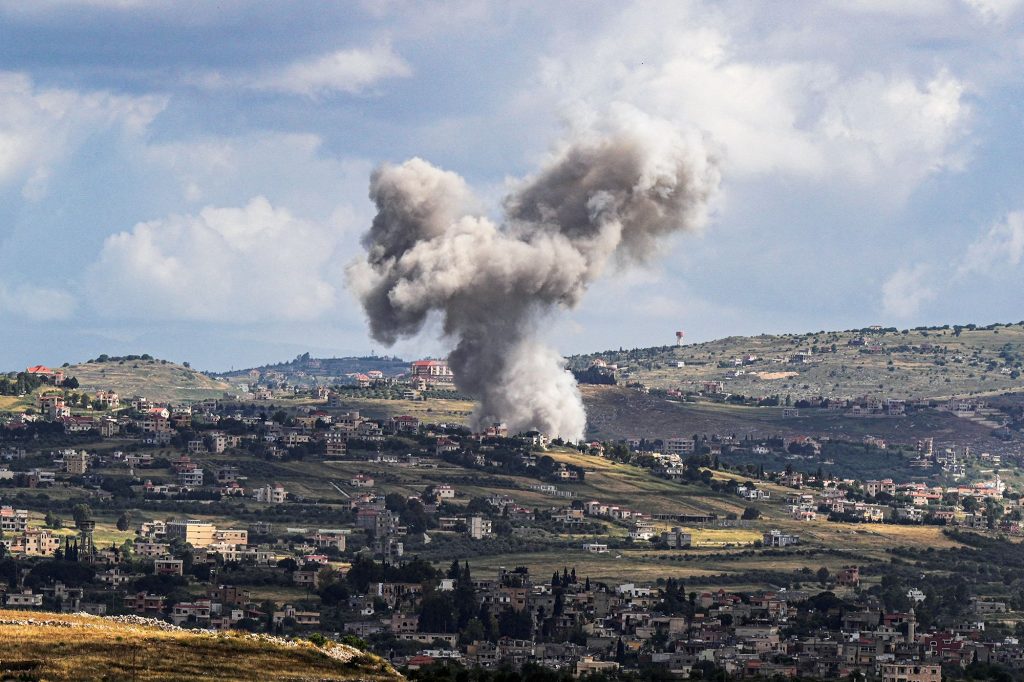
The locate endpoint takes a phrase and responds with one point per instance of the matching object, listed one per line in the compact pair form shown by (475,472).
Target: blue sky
(190,179)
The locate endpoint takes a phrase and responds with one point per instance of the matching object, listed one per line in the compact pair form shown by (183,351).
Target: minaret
(911,626)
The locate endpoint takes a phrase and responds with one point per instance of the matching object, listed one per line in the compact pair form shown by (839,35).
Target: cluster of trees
(122,358)
(19,384)
(514,460)
(594,375)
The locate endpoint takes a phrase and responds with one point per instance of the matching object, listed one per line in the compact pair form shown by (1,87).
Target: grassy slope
(150,378)
(13,403)
(617,412)
(845,373)
(628,486)
(72,647)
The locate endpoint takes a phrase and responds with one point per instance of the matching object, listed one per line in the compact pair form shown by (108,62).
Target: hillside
(49,646)
(615,412)
(936,362)
(306,370)
(155,379)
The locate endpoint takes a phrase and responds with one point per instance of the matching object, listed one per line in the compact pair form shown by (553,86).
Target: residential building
(193,532)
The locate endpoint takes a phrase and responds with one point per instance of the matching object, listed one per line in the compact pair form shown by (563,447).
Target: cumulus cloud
(906,290)
(1002,244)
(41,126)
(348,71)
(803,116)
(289,168)
(35,302)
(228,264)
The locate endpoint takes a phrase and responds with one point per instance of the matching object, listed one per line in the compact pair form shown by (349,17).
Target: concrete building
(274,494)
(478,527)
(911,671)
(76,463)
(776,538)
(193,532)
(676,539)
(13,520)
(191,478)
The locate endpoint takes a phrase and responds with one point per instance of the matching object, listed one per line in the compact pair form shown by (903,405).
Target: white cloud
(894,130)
(914,8)
(228,264)
(288,168)
(36,303)
(802,116)
(998,11)
(906,290)
(39,126)
(349,71)
(1003,244)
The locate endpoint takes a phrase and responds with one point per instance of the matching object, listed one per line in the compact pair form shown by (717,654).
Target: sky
(190,179)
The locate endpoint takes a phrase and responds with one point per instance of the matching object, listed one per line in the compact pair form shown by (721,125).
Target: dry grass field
(13,403)
(154,379)
(43,646)
(913,363)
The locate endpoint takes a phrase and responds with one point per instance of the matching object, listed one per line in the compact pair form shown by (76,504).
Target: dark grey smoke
(603,197)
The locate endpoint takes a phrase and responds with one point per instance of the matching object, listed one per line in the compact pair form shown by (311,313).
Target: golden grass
(12,403)
(68,647)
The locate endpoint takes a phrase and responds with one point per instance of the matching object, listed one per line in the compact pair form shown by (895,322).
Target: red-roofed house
(54,376)
(432,371)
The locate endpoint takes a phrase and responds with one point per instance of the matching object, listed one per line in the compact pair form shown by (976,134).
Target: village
(202,540)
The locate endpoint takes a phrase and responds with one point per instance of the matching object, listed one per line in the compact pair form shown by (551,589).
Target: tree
(436,613)
(823,575)
(473,632)
(81,513)
(53,521)
(751,514)
(124,521)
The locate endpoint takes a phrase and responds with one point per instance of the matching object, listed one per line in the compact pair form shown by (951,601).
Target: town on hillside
(357,511)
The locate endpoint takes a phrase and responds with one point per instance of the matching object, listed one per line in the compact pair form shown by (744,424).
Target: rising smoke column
(608,196)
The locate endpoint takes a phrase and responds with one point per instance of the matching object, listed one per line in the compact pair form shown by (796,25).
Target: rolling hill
(306,370)
(921,363)
(50,646)
(155,379)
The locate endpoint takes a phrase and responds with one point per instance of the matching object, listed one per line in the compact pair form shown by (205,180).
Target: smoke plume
(607,197)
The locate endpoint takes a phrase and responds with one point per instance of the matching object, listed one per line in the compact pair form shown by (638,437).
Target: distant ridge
(921,363)
(304,369)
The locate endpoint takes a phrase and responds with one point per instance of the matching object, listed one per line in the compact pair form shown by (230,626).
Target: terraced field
(157,380)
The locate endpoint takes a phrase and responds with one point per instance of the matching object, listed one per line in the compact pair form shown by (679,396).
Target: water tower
(86,546)
(679,337)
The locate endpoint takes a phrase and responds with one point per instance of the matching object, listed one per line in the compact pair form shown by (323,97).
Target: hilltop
(156,379)
(50,646)
(306,370)
(920,363)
